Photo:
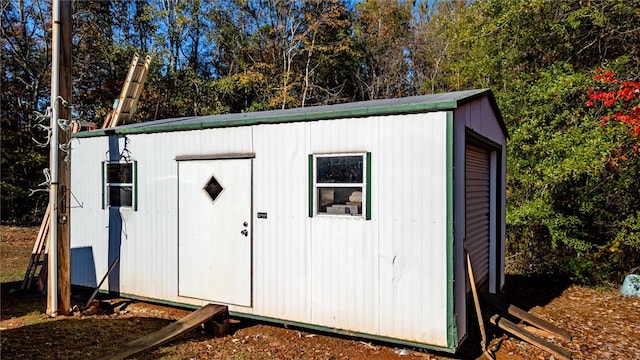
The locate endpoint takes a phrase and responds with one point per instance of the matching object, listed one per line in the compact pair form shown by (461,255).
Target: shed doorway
(214,230)
(480,210)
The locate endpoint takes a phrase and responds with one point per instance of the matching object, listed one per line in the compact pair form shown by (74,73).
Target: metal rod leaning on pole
(95,291)
(52,288)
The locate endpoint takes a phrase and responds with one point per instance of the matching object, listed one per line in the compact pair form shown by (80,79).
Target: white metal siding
(411,208)
(344,250)
(477,180)
(385,276)
(148,237)
(88,234)
(282,250)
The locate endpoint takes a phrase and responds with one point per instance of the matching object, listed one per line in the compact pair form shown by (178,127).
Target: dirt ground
(604,325)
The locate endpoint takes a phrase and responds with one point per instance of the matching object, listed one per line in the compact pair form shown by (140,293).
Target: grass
(17,244)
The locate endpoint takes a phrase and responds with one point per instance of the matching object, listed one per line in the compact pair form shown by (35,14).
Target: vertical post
(64,167)
(52,283)
(59,285)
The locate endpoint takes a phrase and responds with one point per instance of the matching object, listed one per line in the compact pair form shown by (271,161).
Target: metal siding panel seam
(368,185)
(311,195)
(452,335)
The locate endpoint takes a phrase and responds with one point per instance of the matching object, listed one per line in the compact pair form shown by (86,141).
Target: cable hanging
(40,119)
(48,137)
(46,183)
(64,102)
(66,148)
(126,154)
(64,125)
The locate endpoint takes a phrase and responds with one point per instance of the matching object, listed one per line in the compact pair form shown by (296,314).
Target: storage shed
(348,218)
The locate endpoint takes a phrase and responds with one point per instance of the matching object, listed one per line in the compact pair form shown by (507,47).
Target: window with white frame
(119,184)
(340,184)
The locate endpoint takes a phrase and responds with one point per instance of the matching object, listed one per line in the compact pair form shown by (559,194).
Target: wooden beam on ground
(526,317)
(168,333)
(537,322)
(527,336)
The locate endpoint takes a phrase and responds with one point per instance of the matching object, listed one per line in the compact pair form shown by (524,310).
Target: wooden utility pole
(59,284)
(64,167)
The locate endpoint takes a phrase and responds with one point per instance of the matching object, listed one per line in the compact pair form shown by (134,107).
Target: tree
(100,60)
(433,36)
(382,32)
(24,73)
(278,54)
(329,62)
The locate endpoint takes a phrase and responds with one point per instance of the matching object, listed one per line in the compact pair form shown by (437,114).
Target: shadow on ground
(77,337)
(527,292)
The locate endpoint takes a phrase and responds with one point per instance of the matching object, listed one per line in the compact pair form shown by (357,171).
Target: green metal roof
(406,105)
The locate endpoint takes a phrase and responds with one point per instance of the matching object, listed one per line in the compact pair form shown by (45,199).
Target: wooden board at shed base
(167,333)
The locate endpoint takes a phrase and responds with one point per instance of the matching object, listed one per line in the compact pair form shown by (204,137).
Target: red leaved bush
(621,100)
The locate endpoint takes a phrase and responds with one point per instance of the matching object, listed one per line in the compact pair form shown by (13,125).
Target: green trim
(452,327)
(310,185)
(135,185)
(318,328)
(331,330)
(104,185)
(368,184)
(437,102)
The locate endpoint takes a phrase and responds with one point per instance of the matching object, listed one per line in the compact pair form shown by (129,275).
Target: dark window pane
(340,200)
(120,173)
(120,195)
(213,188)
(339,169)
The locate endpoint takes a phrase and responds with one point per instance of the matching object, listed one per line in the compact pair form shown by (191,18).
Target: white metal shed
(349,218)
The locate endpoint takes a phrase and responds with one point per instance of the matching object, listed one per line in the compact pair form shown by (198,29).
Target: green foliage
(566,196)
(21,166)
(572,204)
(23,75)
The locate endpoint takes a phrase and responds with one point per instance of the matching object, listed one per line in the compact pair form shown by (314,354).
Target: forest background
(573,178)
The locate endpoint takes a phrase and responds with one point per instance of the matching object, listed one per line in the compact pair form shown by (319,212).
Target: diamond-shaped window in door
(213,188)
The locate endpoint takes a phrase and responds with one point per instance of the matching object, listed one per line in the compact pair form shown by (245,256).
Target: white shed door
(478,181)
(214,234)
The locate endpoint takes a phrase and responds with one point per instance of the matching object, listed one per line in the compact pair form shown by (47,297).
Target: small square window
(339,185)
(119,184)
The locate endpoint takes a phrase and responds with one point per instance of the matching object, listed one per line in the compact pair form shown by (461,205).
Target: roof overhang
(406,105)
